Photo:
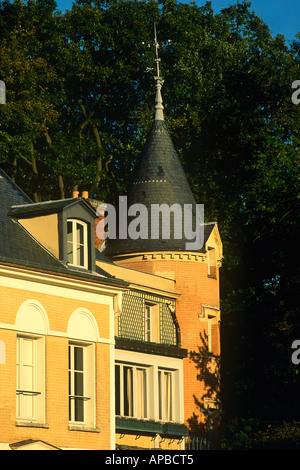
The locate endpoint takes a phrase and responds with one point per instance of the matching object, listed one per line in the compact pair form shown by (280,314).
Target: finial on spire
(159,115)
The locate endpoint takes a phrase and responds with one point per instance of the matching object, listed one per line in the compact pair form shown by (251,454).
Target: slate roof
(18,247)
(159,178)
(47,207)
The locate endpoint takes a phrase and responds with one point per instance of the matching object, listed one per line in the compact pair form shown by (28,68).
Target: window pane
(79,409)
(27,351)
(141,393)
(70,231)
(78,382)
(70,254)
(27,378)
(128,391)
(165,391)
(168,396)
(147,323)
(80,233)
(159,394)
(70,242)
(80,255)
(26,406)
(117,390)
(77,243)
(70,408)
(78,358)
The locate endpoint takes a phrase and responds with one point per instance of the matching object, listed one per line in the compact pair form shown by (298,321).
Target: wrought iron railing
(197,443)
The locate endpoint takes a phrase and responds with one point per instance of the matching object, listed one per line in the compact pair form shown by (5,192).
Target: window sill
(80,427)
(211,277)
(32,424)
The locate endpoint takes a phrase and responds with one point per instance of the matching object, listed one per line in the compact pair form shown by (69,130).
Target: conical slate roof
(158,179)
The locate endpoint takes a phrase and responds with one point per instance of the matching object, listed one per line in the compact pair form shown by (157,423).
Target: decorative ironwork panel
(132,317)
(167,328)
(131,320)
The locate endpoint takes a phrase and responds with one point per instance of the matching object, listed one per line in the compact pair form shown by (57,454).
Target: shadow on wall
(206,424)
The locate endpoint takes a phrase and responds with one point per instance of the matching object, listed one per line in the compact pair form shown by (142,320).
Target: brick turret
(160,179)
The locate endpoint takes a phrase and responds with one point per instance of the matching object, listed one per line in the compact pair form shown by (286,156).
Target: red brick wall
(196,288)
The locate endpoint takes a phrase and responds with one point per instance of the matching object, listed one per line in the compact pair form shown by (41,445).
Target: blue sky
(282,16)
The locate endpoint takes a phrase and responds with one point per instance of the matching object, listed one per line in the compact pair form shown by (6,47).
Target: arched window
(32,318)
(77,236)
(32,326)
(82,326)
(83,333)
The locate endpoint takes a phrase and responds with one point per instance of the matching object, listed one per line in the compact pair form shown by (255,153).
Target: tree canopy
(79,104)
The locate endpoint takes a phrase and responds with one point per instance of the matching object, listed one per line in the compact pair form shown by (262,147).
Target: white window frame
(30,392)
(75,244)
(148,322)
(211,315)
(137,392)
(152,322)
(154,363)
(166,394)
(88,386)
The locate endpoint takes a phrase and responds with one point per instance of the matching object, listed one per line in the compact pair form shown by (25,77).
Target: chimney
(75,193)
(85,194)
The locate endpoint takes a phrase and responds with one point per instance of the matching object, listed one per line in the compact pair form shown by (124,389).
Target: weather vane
(159,116)
(157,59)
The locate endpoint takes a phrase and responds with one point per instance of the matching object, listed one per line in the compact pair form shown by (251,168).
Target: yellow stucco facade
(56,313)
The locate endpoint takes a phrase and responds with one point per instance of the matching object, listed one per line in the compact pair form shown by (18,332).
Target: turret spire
(159,115)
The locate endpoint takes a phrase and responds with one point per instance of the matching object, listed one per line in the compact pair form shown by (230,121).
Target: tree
(93,61)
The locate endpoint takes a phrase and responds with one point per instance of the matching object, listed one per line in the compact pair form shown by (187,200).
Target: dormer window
(64,227)
(77,239)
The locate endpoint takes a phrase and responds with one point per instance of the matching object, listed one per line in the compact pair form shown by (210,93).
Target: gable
(32,444)
(214,242)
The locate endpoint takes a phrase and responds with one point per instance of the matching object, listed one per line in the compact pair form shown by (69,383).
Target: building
(84,365)
(149,399)
(117,348)
(57,313)
(159,180)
